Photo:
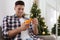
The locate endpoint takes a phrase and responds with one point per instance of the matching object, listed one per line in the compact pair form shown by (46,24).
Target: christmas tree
(36,13)
(54,28)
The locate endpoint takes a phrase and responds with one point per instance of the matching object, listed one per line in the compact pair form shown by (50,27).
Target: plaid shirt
(10,23)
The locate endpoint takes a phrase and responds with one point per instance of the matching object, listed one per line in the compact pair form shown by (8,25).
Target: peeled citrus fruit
(28,21)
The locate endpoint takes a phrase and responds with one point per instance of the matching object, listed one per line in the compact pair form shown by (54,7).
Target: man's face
(19,9)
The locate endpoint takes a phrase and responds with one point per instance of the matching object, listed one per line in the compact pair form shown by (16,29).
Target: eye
(22,9)
(19,8)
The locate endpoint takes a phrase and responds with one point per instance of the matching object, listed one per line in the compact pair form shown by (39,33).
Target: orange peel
(28,21)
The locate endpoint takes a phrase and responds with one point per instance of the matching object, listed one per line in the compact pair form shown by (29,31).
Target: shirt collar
(17,16)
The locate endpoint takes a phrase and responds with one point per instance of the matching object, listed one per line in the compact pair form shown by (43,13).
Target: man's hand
(24,26)
(35,22)
(35,26)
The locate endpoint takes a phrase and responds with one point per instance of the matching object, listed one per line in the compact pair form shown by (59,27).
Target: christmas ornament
(43,32)
(45,27)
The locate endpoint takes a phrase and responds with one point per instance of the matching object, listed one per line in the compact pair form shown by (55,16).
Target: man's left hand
(35,22)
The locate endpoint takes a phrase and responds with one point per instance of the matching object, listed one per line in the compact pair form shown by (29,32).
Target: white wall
(6,8)
(48,9)
(3,9)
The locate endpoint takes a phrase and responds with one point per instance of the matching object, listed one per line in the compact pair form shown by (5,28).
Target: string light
(43,32)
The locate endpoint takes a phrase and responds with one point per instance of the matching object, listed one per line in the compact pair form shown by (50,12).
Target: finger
(27,25)
(35,19)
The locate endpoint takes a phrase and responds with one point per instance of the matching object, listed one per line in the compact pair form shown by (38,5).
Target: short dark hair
(19,3)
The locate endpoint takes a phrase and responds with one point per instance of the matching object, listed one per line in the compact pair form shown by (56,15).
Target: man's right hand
(24,26)
(14,32)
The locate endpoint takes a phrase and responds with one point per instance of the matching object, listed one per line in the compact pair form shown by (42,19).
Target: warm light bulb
(45,27)
(43,32)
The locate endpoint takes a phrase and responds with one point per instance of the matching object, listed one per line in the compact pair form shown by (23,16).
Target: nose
(21,11)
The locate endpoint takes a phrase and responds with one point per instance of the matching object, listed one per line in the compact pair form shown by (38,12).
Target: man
(12,27)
